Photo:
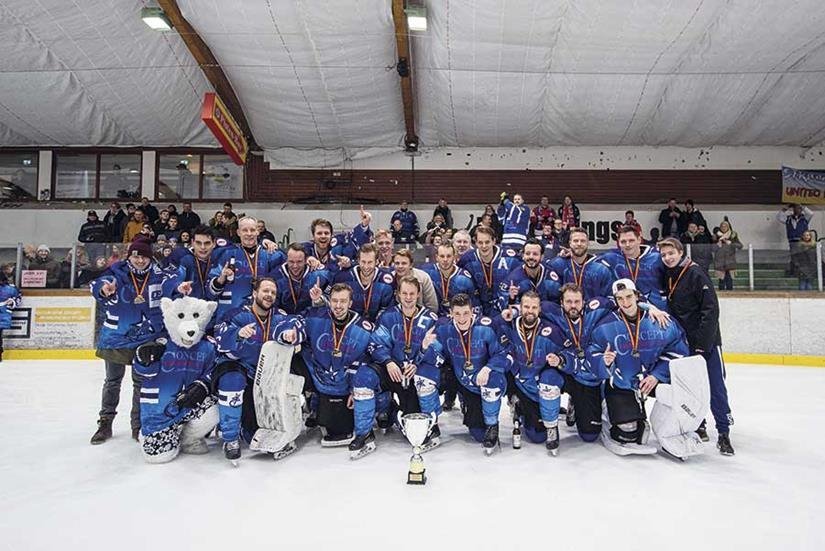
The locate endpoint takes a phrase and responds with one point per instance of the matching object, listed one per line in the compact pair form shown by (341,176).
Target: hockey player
(336,251)
(403,266)
(403,363)
(515,219)
(633,352)
(639,263)
(240,338)
(295,279)
(533,275)
(237,266)
(536,386)
(479,361)
(130,292)
(336,347)
(449,280)
(177,409)
(692,301)
(490,268)
(582,268)
(372,289)
(9,300)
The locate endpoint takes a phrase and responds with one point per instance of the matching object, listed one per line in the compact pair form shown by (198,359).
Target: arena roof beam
(405,65)
(210,67)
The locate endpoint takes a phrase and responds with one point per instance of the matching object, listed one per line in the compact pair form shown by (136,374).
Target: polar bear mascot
(177,408)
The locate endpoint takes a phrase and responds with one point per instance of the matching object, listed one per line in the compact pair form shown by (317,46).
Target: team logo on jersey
(366,325)
(333,242)
(485,320)
(503,286)
(220,242)
(567,343)
(546,331)
(510,252)
(593,304)
(434,316)
(554,276)
(387,279)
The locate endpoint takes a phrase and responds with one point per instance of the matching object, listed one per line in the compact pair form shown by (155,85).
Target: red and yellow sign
(217,117)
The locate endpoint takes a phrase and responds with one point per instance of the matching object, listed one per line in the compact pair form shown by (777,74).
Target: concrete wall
(773,325)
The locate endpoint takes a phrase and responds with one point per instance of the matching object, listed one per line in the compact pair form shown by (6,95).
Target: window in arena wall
(198,176)
(120,176)
(18,176)
(75,176)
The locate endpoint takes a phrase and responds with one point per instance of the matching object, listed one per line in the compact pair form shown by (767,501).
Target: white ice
(59,492)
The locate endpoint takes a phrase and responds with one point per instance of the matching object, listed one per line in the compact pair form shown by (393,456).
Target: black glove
(150,352)
(192,395)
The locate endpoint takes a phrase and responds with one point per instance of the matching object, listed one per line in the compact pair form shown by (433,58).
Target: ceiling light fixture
(155,18)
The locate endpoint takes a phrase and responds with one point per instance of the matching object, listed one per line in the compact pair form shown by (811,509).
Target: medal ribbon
(264,327)
(408,327)
(139,291)
(634,340)
(445,283)
(202,275)
(368,294)
(671,285)
(338,338)
(578,277)
(292,289)
(577,338)
(529,340)
(466,347)
(253,262)
(633,273)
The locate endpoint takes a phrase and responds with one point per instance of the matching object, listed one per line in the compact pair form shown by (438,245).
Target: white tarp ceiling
(317,82)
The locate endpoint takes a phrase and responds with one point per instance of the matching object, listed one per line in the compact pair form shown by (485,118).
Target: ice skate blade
(431,445)
(553,453)
(669,455)
(337,443)
(363,452)
(490,451)
(288,450)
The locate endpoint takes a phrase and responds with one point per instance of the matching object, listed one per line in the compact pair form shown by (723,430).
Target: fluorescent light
(155,18)
(417,23)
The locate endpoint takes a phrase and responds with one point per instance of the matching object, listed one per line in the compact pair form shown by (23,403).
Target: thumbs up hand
(609,356)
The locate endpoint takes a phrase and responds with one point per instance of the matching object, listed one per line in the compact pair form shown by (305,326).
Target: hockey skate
(433,440)
(362,445)
(703,433)
(724,446)
(286,451)
(384,421)
(552,442)
(232,451)
(570,417)
(491,442)
(336,440)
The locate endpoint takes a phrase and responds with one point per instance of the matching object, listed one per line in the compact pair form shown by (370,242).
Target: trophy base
(418,479)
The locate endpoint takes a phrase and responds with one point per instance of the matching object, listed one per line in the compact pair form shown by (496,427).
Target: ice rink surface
(59,492)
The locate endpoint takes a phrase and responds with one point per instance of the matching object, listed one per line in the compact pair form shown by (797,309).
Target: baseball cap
(622,284)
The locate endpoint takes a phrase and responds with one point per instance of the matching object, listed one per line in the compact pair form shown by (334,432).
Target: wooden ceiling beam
(210,67)
(402,41)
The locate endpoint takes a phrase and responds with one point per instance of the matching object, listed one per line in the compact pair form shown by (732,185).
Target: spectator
(654,237)
(700,247)
(185,239)
(43,261)
(495,223)
(724,261)
(117,254)
(805,261)
(630,220)
(91,272)
(400,235)
(435,226)
(444,210)
(146,233)
(149,210)
(218,226)
(404,266)
(487,220)
(692,215)
(135,226)
(542,215)
(462,242)
(187,219)
(569,213)
(670,217)
(796,219)
(264,233)
(549,242)
(29,254)
(515,217)
(161,225)
(173,231)
(114,221)
(230,221)
(172,209)
(561,232)
(9,300)
(409,224)
(8,270)
(65,281)
(94,233)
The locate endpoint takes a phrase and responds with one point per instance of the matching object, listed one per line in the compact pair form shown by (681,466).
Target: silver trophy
(416,427)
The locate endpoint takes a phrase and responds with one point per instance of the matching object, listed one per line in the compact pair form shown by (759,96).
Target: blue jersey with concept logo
(8,291)
(293,293)
(371,299)
(492,280)
(342,244)
(163,380)
(458,281)
(398,340)
(232,347)
(594,277)
(546,283)
(576,337)
(655,347)
(529,350)
(197,271)
(248,267)
(647,272)
(487,349)
(515,220)
(131,321)
(333,355)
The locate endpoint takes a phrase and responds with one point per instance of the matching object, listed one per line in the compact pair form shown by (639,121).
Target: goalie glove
(150,352)
(192,395)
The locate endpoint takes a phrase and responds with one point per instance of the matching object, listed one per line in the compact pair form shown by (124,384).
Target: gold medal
(468,365)
(139,299)
(139,289)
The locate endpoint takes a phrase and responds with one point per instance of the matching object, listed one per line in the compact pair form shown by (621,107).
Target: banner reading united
(806,187)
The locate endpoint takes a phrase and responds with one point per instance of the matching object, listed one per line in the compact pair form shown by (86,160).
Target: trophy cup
(416,427)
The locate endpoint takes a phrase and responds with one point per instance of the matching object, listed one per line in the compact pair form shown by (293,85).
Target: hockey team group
(343,334)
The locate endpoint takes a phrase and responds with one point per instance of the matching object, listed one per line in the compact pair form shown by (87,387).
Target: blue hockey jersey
(399,340)
(655,348)
(371,299)
(342,244)
(491,280)
(8,291)
(515,220)
(126,324)
(246,351)
(457,282)
(546,283)
(529,353)
(293,294)
(647,272)
(594,277)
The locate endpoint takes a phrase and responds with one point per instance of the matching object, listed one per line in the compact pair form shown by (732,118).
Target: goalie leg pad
(277,399)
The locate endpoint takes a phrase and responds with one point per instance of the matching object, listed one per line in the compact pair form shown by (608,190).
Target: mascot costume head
(186,319)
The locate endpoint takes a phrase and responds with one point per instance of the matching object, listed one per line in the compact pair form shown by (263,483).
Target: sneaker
(104,431)
(723,443)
